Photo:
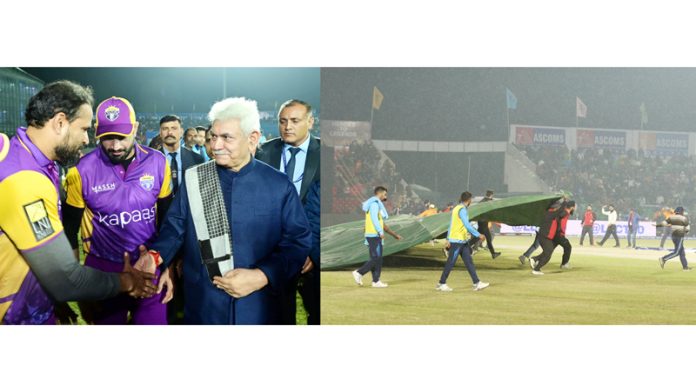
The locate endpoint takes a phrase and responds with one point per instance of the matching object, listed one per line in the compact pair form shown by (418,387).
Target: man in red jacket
(587,224)
(547,232)
(552,234)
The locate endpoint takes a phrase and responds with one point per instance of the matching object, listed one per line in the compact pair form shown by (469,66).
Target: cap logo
(112,113)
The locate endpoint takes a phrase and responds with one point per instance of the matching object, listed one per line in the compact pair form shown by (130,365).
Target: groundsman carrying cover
(344,245)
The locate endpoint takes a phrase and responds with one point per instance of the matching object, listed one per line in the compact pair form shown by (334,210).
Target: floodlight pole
(468,174)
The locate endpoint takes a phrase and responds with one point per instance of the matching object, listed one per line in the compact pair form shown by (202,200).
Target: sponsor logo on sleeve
(38,219)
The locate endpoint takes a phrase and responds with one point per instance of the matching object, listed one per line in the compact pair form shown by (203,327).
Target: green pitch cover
(344,245)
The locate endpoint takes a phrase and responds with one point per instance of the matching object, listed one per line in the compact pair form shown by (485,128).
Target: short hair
(293,102)
(245,110)
(466,196)
(170,118)
(200,128)
(62,96)
(379,189)
(489,193)
(190,129)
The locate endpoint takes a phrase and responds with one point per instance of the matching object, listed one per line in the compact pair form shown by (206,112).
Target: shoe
(617,246)
(481,285)
(687,269)
(522,259)
(495,254)
(379,284)
(600,243)
(357,277)
(443,287)
(566,266)
(662,262)
(533,262)
(535,272)
(445,252)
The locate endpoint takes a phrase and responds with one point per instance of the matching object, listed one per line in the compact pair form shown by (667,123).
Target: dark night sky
(469,103)
(185,87)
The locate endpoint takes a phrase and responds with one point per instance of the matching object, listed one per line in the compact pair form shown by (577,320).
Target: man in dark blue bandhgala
(240,222)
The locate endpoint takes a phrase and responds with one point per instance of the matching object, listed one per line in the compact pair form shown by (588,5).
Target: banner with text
(540,136)
(574,227)
(342,133)
(587,138)
(659,143)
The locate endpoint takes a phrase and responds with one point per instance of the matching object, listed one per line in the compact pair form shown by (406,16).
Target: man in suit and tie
(179,159)
(296,153)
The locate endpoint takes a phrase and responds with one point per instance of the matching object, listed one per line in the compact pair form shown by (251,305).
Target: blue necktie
(174,166)
(290,167)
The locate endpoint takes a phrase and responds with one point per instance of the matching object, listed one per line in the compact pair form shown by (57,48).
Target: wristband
(156,256)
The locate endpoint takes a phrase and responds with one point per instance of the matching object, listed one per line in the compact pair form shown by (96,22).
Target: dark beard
(66,155)
(123,158)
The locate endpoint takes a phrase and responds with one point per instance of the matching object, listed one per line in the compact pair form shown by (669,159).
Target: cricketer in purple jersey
(116,189)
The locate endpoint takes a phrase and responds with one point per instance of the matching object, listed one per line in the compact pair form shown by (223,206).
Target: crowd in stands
(359,168)
(627,179)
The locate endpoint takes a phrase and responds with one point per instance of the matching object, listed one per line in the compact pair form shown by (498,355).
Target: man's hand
(145,261)
(166,279)
(381,235)
(398,237)
(137,284)
(447,245)
(308,265)
(241,282)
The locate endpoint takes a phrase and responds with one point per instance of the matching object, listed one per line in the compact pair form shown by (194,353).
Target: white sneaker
(379,284)
(357,277)
(566,266)
(443,287)
(535,272)
(532,263)
(481,285)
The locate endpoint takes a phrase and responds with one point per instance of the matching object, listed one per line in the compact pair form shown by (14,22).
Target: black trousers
(586,230)
(483,229)
(567,248)
(547,247)
(611,230)
(309,288)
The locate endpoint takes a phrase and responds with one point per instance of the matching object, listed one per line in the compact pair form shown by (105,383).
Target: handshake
(140,280)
